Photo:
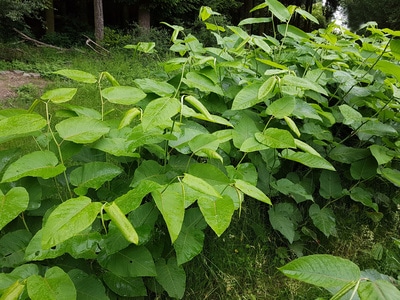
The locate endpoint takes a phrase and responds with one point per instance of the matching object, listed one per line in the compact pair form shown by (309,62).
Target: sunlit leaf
(81,130)
(161,88)
(125,95)
(276,138)
(252,191)
(282,107)
(159,112)
(77,75)
(12,204)
(278,9)
(59,95)
(308,159)
(247,97)
(20,125)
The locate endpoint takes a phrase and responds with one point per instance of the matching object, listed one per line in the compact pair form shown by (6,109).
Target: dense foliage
(112,202)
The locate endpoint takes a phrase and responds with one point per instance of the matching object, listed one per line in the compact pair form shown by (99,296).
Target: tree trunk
(144,17)
(50,27)
(98,20)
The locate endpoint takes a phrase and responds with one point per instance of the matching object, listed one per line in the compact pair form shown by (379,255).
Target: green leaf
(36,164)
(198,105)
(20,125)
(81,130)
(249,21)
(323,219)
(125,95)
(247,97)
(365,197)
(35,252)
(201,82)
(191,238)
(171,204)
(77,75)
(125,286)
(252,191)
(12,204)
(382,154)
(145,47)
(306,15)
(12,248)
(14,291)
(213,27)
(88,287)
(285,217)
(59,95)
(392,175)
(395,48)
(171,277)
(279,10)
(294,190)
(133,261)
(200,185)
(322,270)
(292,31)
(330,186)
(282,107)
(308,159)
(93,175)
(68,219)
(350,115)
(203,141)
(121,221)
(303,83)
(389,68)
(206,12)
(217,212)
(115,146)
(160,88)
(378,289)
(364,169)
(158,113)
(276,138)
(56,285)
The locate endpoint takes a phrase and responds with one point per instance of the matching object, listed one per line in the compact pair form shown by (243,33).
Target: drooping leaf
(133,261)
(12,204)
(87,286)
(278,9)
(217,212)
(125,286)
(306,15)
(128,117)
(276,138)
(252,191)
(125,95)
(285,217)
(81,130)
(171,204)
(322,270)
(308,159)
(56,285)
(93,175)
(77,75)
(200,185)
(249,21)
(282,107)
(20,125)
(378,289)
(171,277)
(59,95)
(158,113)
(42,164)
(12,248)
(391,174)
(68,219)
(323,219)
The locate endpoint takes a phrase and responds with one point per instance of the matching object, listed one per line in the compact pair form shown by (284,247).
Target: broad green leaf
(56,285)
(350,115)
(171,277)
(374,127)
(81,130)
(213,27)
(364,169)
(200,185)
(389,68)
(322,270)
(210,173)
(285,217)
(125,286)
(68,219)
(392,175)
(365,197)
(12,248)
(395,48)
(282,107)
(251,145)
(14,291)
(93,175)
(18,274)
(158,113)
(276,138)
(217,212)
(160,88)
(83,245)
(303,83)
(308,159)
(77,75)
(278,10)
(252,191)
(246,124)
(203,141)
(247,97)
(323,219)
(171,204)
(206,12)
(145,47)
(260,42)
(115,146)
(348,155)
(125,95)
(249,21)
(292,31)
(201,82)
(88,287)
(35,252)
(82,111)
(378,289)
(12,204)
(191,238)
(306,15)
(144,219)
(133,261)
(294,190)
(382,154)
(123,224)
(20,125)
(42,164)
(330,186)
(59,95)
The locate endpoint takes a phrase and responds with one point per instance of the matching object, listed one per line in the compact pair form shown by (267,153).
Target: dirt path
(11,80)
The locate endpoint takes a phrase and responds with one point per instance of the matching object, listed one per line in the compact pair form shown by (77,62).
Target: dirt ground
(11,80)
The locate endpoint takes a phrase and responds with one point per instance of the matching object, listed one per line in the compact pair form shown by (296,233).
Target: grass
(243,263)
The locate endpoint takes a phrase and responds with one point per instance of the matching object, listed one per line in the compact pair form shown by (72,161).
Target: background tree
(98,20)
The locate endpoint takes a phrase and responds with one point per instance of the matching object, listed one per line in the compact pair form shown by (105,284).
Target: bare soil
(11,80)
